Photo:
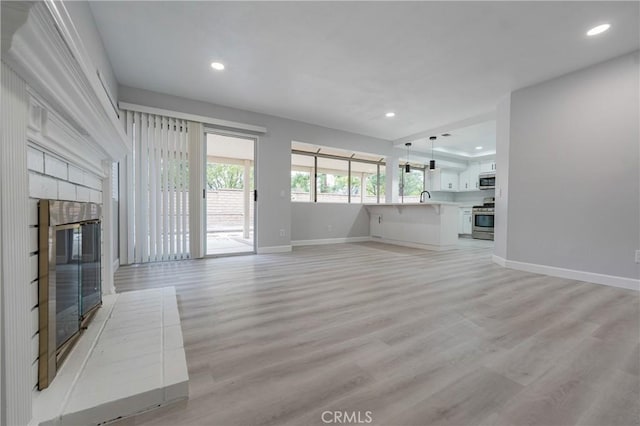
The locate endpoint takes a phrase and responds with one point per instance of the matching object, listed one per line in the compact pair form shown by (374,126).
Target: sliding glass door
(230,194)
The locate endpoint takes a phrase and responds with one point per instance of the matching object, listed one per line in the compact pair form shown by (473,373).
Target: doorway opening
(230,194)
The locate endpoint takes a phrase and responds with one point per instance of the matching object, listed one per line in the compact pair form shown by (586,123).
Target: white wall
(273,157)
(473,197)
(574,180)
(326,221)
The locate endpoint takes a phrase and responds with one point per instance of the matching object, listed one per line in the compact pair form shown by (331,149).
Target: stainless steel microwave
(487,180)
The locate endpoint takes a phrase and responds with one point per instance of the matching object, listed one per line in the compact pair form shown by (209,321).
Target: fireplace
(69,272)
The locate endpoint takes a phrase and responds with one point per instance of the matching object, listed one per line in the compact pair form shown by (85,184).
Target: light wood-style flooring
(415,337)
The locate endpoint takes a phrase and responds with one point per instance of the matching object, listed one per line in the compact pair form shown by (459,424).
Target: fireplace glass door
(69,279)
(90,268)
(67,282)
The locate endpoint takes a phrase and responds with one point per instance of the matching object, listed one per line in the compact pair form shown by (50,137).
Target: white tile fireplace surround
(130,359)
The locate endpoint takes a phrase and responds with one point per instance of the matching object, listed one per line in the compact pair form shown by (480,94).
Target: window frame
(349,160)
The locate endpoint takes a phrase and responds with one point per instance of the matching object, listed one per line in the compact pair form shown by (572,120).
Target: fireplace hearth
(69,286)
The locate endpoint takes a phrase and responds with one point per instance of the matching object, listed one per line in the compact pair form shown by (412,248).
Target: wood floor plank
(414,336)
(469,400)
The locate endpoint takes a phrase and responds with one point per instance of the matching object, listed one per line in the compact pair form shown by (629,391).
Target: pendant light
(432,163)
(407,167)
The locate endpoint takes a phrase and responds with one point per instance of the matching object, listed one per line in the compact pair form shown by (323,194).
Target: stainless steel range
(483,219)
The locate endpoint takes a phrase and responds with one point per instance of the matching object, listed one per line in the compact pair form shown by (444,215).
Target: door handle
(255,195)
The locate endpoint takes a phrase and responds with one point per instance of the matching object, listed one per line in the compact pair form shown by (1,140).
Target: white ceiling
(344,64)
(462,142)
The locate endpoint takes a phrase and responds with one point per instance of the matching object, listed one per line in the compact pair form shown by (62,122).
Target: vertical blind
(161,186)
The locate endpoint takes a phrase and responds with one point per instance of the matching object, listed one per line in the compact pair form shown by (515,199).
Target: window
(411,184)
(301,172)
(332,181)
(224,176)
(374,191)
(333,176)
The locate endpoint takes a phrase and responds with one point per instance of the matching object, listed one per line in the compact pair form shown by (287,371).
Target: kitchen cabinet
(441,180)
(488,166)
(468,179)
(467,225)
(448,180)
(464,220)
(375,225)
(430,225)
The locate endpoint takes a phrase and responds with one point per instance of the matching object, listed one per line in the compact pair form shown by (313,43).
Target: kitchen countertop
(426,203)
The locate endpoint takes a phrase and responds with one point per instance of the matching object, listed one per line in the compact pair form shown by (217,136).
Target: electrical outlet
(282,234)
(637,256)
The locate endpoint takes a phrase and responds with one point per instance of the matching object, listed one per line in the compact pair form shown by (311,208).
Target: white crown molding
(47,129)
(47,53)
(591,277)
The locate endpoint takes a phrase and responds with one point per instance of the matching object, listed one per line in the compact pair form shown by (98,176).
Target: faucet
(422,200)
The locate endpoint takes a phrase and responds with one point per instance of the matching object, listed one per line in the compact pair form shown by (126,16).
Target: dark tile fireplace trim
(53,216)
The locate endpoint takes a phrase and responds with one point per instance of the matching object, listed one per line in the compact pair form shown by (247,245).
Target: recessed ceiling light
(218,66)
(599,29)
(478,147)
(390,114)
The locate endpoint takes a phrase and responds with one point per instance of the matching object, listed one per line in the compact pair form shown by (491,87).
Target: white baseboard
(572,274)
(330,241)
(499,260)
(274,249)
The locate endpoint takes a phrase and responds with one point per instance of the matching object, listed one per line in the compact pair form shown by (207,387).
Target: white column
(107,228)
(126,209)
(503,129)
(247,199)
(16,380)
(312,185)
(197,200)
(392,179)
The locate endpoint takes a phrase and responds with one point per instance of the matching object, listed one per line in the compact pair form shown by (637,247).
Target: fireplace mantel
(49,55)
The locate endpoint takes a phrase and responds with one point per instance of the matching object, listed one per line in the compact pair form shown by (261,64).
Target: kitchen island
(430,225)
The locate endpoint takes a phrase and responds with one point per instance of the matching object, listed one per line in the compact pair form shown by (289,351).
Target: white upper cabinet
(448,180)
(453,181)
(441,180)
(488,166)
(469,178)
